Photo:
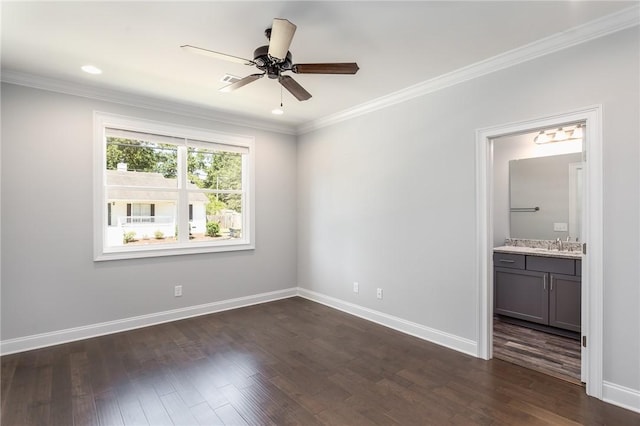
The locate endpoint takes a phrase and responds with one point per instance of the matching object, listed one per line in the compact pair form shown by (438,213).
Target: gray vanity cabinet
(564,302)
(521,294)
(537,289)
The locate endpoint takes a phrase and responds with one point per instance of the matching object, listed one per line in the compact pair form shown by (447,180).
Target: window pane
(140,217)
(133,162)
(213,169)
(230,215)
(215,216)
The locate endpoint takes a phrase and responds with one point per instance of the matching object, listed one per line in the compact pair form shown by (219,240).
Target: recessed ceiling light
(277,111)
(91,69)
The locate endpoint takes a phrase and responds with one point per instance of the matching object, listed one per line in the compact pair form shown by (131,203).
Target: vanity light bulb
(541,138)
(560,135)
(577,133)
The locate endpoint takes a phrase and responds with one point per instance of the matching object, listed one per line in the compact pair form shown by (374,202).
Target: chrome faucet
(559,243)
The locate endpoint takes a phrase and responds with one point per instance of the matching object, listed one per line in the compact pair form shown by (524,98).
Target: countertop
(538,252)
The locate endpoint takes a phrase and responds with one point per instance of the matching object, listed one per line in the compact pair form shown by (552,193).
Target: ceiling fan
(275,58)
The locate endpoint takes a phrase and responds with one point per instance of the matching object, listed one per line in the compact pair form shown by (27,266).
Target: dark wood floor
(286,362)
(548,353)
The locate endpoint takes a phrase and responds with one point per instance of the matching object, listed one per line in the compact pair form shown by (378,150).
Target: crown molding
(110,95)
(621,20)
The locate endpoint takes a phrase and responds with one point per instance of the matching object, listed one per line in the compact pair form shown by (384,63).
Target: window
(166,190)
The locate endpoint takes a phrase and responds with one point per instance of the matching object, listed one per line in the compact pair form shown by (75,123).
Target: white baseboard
(621,396)
(36,341)
(438,337)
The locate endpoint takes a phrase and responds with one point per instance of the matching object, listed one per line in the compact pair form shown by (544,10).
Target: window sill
(173,250)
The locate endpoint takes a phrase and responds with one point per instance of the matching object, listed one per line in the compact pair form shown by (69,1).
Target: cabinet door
(521,294)
(565,302)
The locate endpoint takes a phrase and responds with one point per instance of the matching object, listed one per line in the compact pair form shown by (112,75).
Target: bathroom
(537,239)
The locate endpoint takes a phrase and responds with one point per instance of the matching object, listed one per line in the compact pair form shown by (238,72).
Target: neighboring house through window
(170,190)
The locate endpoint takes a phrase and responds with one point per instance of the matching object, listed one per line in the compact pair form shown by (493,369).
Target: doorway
(591,290)
(541,169)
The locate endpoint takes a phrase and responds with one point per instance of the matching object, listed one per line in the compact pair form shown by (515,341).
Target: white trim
(438,337)
(621,396)
(606,25)
(36,341)
(592,289)
(110,95)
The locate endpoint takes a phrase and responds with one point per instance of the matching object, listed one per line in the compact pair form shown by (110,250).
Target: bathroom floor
(556,356)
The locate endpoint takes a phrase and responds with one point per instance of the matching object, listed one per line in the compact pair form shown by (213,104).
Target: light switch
(560,227)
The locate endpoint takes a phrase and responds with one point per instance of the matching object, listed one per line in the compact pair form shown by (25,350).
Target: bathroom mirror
(545,197)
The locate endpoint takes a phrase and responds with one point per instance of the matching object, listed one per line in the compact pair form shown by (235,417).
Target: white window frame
(101,121)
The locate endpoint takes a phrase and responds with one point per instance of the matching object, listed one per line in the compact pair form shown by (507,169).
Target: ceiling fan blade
(242,82)
(294,88)
(216,55)
(281,35)
(335,68)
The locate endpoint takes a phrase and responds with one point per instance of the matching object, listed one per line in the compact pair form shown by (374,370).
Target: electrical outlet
(379,293)
(356,287)
(177,291)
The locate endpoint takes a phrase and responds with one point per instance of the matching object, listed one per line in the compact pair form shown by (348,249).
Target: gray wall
(388,199)
(49,279)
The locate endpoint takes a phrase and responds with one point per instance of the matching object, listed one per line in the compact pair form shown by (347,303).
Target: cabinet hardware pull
(544,283)
(507,261)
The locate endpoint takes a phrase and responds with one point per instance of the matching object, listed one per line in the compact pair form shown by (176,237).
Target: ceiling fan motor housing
(270,65)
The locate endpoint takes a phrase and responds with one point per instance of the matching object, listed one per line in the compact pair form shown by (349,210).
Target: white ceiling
(396,44)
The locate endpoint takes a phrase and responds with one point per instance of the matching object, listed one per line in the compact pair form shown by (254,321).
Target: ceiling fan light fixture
(280,38)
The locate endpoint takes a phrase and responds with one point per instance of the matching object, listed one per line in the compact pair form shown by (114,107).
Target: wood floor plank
(178,410)
(229,416)
(130,407)
(205,415)
(246,406)
(18,396)
(108,409)
(179,379)
(288,362)
(154,410)
(61,398)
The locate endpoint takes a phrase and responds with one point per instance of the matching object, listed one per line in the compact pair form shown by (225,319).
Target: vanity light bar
(559,135)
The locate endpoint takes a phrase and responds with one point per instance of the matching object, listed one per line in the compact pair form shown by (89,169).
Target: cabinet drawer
(507,260)
(551,264)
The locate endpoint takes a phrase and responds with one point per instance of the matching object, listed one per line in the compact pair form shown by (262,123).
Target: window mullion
(183,196)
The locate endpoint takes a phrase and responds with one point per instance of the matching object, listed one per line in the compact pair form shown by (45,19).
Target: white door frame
(592,272)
